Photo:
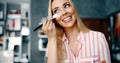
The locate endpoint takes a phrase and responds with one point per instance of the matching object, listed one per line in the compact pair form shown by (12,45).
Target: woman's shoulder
(98,36)
(98,33)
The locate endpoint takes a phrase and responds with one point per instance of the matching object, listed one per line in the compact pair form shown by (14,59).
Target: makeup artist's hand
(49,29)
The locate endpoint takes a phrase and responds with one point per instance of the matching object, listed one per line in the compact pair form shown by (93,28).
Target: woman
(69,41)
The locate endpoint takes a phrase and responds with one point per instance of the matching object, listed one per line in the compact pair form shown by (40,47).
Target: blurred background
(18,18)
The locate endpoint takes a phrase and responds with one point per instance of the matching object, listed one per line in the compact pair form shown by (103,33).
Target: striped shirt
(93,49)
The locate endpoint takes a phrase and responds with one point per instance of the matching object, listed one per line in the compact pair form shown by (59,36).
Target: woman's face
(65,11)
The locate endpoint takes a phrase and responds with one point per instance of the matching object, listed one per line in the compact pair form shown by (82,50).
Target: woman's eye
(67,6)
(56,11)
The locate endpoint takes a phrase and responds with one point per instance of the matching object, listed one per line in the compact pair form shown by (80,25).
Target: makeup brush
(53,17)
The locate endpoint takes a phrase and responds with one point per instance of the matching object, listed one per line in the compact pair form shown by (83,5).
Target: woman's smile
(67,19)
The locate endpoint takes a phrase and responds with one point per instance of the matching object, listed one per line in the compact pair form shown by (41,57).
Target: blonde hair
(60,49)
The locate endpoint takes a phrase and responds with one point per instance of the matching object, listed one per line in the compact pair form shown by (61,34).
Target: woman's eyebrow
(63,4)
(66,3)
(55,8)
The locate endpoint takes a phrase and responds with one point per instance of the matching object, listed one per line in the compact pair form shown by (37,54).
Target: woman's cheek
(58,19)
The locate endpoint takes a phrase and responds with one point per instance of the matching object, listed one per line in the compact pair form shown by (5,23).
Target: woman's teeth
(67,19)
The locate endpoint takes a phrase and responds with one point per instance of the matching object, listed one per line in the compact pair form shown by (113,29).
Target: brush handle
(38,27)
(42,24)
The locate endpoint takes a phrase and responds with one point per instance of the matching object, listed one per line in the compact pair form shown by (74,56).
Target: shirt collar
(80,38)
(65,39)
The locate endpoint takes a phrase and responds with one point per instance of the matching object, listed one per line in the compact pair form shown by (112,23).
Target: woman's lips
(67,19)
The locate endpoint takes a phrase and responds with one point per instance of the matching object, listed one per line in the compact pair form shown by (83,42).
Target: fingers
(49,29)
(50,25)
(47,25)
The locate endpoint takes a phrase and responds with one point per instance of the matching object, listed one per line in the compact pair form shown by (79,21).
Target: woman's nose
(63,11)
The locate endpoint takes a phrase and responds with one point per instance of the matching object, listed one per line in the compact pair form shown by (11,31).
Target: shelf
(42,36)
(15,17)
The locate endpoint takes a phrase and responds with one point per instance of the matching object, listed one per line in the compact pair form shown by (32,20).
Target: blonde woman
(69,41)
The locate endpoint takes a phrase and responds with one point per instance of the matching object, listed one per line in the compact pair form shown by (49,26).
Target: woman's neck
(72,32)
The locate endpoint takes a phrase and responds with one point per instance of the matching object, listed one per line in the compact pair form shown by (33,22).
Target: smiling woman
(69,40)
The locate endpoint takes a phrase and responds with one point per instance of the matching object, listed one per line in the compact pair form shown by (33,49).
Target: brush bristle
(55,15)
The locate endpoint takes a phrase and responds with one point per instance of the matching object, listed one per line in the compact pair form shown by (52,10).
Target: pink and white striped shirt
(93,49)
